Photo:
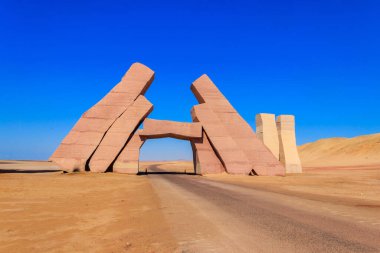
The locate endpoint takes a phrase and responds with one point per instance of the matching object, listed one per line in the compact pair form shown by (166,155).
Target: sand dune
(361,150)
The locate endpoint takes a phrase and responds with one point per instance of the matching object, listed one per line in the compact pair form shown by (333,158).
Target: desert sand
(78,212)
(46,210)
(361,150)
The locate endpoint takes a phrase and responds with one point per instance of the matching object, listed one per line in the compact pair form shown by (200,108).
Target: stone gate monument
(107,138)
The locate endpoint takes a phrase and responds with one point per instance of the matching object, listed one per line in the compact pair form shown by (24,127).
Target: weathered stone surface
(205,158)
(83,139)
(119,133)
(229,131)
(234,161)
(288,148)
(154,129)
(266,131)
(128,160)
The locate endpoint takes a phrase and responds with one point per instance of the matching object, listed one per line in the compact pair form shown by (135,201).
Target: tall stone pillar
(266,131)
(288,148)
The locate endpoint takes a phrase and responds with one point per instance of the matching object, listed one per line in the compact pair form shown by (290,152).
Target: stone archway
(106,135)
(204,158)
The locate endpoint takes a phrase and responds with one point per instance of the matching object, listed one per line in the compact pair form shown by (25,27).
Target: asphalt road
(209,216)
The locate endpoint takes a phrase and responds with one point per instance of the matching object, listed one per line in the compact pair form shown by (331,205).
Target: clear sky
(316,59)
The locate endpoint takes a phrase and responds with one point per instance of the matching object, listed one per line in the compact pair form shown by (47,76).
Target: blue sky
(318,60)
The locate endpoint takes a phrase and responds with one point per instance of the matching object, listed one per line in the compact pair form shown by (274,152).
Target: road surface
(209,216)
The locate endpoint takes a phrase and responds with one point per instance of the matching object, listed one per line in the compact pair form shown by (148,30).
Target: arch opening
(166,156)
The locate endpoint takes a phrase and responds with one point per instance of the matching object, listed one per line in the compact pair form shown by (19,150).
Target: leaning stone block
(128,160)
(233,159)
(266,131)
(246,144)
(118,134)
(87,133)
(288,148)
(205,159)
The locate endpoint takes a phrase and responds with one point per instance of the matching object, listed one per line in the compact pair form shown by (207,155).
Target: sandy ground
(345,185)
(168,166)
(213,216)
(78,212)
(56,212)
(349,190)
(351,185)
(27,166)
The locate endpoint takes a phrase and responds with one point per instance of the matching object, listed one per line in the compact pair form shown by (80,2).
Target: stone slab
(128,160)
(234,161)
(205,159)
(266,131)
(164,128)
(289,156)
(119,134)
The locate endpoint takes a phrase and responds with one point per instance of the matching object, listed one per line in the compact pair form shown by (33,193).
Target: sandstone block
(119,133)
(128,160)
(104,111)
(266,131)
(83,138)
(234,161)
(288,148)
(205,158)
(165,128)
